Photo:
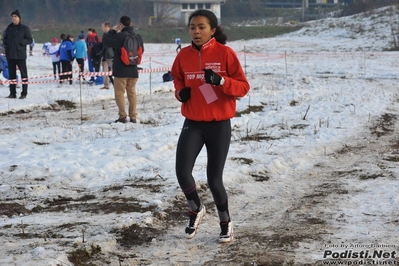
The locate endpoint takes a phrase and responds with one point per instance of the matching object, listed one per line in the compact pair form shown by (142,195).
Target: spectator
(82,33)
(55,57)
(66,57)
(126,76)
(16,37)
(45,48)
(62,37)
(108,55)
(81,55)
(93,42)
(3,65)
(2,51)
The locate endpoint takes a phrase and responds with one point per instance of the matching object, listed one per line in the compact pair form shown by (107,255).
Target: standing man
(93,48)
(126,76)
(16,37)
(108,55)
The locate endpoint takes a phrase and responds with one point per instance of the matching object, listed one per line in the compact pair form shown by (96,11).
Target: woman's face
(200,30)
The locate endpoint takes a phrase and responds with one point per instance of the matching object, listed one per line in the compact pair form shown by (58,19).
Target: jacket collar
(128,29)
(13,25)
(206,46)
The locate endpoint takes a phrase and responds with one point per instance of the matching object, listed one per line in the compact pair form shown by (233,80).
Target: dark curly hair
(219,35)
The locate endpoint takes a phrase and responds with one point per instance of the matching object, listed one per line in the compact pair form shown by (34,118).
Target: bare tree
(164,12)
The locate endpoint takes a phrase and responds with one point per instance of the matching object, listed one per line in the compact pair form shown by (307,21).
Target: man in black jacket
(126,76)
(16,37)
(108,55)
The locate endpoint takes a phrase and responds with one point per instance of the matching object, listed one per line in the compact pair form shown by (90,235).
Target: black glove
(211,77)
(184,94)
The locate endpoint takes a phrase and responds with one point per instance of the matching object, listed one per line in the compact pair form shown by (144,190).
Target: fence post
(286,69)
(245,60)
(364,62)
(150,75)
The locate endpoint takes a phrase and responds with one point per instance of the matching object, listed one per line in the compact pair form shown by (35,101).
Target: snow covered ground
(312,172)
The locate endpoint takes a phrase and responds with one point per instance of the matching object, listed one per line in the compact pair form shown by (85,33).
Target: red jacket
(92,39)
(187,72)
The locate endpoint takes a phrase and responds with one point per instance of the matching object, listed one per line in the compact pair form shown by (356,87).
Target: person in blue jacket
(67,56)
(4,69)
(3,65)
(81,55)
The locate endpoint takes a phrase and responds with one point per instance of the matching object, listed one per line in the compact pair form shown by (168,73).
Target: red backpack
(131,51)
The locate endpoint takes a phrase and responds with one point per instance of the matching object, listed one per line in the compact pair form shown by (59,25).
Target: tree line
(63,13)
(45,14)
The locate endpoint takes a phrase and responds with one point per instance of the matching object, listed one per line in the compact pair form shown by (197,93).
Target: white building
(326,1)
(178,11)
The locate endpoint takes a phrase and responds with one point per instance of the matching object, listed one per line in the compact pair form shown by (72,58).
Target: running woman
(207,85)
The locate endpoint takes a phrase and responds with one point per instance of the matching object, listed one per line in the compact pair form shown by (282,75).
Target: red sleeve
(178,76)
(236,83)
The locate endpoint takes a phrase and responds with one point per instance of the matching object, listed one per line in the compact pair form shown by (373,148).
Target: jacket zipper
(200,60)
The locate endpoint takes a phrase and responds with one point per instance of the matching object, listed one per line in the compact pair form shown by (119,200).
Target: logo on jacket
(216,66)
(196,75)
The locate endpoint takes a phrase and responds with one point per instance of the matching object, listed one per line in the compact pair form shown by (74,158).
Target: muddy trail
(294,228)
(300,233)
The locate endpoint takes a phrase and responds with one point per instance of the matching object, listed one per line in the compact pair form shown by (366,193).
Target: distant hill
(367,28)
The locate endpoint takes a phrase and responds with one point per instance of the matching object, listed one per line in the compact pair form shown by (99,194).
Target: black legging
(216,138)
(81,63)
(56,66)
(66,68)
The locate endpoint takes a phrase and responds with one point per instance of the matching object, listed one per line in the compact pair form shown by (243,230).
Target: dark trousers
(96,62)
(215,136)
(56,66)
(91,68)
(12,69)
(66,68)
(81,63)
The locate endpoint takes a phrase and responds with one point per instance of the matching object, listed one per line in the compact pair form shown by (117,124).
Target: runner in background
(31,47)
(178,43)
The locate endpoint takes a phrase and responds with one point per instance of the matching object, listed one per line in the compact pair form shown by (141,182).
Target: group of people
(88,48)
(208,101)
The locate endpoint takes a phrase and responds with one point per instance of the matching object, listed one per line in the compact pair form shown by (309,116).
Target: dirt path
(314,220)
(294,226)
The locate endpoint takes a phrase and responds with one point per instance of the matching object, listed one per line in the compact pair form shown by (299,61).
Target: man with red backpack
(125,76)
